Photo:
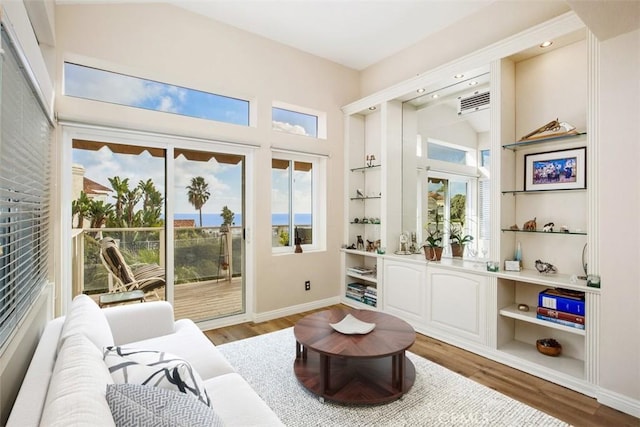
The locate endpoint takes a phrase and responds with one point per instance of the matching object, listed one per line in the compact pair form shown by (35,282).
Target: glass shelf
(541,191)
(366,198)
(523,144)
(575,233)
(364,223)
(365,168)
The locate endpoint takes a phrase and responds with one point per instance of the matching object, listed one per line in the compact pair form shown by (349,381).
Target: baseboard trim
(619,401)
(295,309)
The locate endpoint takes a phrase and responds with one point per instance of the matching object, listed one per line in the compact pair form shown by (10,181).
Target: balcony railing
(200,254)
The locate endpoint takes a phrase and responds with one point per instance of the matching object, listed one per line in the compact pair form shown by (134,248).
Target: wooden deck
(206,300)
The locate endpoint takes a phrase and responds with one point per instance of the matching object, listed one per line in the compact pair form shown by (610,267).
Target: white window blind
(24,192)
(485,209)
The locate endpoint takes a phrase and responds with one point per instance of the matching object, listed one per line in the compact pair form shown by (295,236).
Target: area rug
(439,397)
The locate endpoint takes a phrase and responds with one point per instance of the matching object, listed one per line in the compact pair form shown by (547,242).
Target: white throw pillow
(77,389)
(135,404)
(154,368)
(85,317)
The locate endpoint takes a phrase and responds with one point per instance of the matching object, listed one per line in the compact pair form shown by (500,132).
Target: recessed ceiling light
(473,83)
(458,76)
(546,44)
(421,90)
(435,95)
(372,108)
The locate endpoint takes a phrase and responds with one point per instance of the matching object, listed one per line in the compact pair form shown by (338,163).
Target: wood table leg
(324,374)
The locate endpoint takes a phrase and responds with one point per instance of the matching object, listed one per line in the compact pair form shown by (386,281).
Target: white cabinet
(405,290)
(456,303)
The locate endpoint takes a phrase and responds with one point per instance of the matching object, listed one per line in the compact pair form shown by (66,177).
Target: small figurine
(370,246)
(360,243)
(359,193)
(514,227)
(530,225)
(548,227)
(564,229)
(545,267)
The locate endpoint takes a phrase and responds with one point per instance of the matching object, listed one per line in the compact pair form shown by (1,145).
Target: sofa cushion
(154,368)
(238,404)
(85,317)
(135,404)
(76,394)
(189,343)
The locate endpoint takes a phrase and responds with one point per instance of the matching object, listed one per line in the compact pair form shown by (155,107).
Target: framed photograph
(556,170)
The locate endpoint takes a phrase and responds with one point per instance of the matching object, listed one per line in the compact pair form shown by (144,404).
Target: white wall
(619,223)
(491,24)
(169,44)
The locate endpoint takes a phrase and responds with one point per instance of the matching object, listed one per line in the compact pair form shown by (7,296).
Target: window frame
(321,118)
(318,201)
(248,117)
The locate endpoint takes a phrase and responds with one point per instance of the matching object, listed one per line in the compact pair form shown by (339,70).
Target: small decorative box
(512,265)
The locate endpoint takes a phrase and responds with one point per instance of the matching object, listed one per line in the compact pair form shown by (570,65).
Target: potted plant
(458,239)
(433,245)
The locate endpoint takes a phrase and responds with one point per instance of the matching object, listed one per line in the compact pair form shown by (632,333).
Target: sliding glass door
(123,191)
(208,223)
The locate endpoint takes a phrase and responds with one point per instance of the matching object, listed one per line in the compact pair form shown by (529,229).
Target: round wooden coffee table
(357,369)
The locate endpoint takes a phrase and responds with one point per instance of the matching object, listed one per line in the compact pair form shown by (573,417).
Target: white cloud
(289,128)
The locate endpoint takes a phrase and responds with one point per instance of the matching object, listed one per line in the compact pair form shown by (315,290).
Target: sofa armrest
(137,322)
(29,404)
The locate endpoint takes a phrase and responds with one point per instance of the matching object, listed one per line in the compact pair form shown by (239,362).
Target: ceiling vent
(475,102)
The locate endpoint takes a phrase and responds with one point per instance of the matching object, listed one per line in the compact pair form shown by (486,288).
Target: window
(446,154)
(297,191)
(298,120)
(106,86)
(450,203)
(24,193)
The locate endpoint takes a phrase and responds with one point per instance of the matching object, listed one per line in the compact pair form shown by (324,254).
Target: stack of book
(360,270)
(371,296)
(356,291)
(562,306)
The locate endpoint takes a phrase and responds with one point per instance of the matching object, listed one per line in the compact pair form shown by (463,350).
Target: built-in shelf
(530,316)
(555,280)
(364,223)
(528,352)
(576,233)
(523,144)
(366,168)
(371,278)
(540,191)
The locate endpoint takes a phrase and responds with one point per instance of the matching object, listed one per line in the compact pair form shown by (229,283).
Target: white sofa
(68,377)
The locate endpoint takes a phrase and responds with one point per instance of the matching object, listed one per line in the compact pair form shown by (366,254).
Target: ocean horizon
(215,220)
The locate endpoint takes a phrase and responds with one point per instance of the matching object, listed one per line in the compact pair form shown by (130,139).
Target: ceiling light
(473,83)
(458,76)
(435,95)
(372,108)
(421,90)
(546,44)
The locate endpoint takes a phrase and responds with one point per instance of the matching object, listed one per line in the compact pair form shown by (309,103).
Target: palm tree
(99,211)
(198,194)
(80,207)
(121,187)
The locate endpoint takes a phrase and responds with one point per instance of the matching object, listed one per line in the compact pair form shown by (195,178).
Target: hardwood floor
(569,406)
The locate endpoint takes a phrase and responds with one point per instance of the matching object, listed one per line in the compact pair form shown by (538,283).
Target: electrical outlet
(307,285)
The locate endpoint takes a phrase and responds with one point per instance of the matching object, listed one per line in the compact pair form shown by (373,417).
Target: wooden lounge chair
(145,277)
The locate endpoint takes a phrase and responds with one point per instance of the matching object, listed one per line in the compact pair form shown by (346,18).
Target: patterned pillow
(154,368)
(139,405)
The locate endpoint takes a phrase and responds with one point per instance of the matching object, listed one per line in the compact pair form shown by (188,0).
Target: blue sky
(224,180)
(106,86)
